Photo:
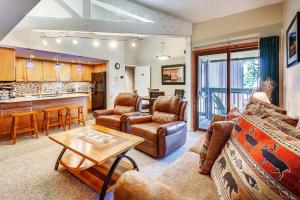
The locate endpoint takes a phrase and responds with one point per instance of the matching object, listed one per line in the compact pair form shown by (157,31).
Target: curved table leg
(112,170)
(59,158)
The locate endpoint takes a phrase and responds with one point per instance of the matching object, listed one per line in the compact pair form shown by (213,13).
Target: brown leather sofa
(165,130)
(125,105)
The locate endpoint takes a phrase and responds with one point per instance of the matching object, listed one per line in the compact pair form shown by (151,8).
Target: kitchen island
(36,103)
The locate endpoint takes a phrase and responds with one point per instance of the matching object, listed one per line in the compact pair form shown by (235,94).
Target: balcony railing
(213,100)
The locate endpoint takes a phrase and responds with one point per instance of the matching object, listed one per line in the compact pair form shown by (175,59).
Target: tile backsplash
(31,88)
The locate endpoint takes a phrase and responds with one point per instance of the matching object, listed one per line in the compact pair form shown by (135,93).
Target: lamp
(163,56)
(79,66)
(261,96)
(30,63)
(57,65)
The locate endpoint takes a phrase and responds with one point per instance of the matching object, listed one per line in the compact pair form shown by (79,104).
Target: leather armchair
(165,130)
(125,105)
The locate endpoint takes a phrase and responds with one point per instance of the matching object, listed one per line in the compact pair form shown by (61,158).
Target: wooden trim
(228,78)
(215,50)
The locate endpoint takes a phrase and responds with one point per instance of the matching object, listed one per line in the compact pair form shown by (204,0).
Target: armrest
(135,185)
(98,113)
(139,119)
(171,128)
(217,118)
(130,114)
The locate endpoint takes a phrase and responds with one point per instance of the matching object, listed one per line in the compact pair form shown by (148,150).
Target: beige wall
(265,20)
(291,83)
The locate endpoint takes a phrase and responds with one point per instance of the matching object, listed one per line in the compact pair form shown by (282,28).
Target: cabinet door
(20,69)
(35,74)
(76,75)
(65,72)
(87,73)
(50,74)
(7,64)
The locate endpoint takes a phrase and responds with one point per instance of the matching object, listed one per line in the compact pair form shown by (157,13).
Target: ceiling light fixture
(133,44)
(120,11)
(57,65)
(30,63)
(96,43)
(79,66)
(45,42)
(163,56)
(58,41)
(113,44)
(74,41)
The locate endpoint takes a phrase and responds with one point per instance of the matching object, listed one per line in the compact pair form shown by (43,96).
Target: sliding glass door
(224,80)
(212,81)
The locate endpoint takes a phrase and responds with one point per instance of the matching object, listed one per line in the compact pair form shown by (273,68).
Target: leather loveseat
(165,130)
(125,105)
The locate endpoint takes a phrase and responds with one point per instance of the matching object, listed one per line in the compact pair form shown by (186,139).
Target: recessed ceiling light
(45,42)
(75,42)
(133,44)
(96,43)
(58,41)
(113,44)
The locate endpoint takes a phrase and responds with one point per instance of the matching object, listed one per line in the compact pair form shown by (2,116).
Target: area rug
(27,169)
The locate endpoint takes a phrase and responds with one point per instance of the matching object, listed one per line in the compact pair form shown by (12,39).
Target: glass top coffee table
(94,155)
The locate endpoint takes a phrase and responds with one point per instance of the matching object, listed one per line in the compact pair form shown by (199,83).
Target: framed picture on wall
(293,41)
(173,74)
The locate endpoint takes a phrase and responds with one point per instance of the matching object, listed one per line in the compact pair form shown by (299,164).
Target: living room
(145,99)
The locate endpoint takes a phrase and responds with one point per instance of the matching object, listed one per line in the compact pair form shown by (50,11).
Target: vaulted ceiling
(203,10)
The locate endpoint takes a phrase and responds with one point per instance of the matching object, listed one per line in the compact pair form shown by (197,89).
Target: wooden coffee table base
(99,177)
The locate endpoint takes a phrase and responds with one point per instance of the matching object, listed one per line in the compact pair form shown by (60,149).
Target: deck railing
(213,100)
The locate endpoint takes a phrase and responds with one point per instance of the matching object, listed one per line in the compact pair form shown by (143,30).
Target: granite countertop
(44,97)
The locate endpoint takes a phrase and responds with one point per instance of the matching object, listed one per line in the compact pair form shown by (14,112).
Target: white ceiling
(204,10)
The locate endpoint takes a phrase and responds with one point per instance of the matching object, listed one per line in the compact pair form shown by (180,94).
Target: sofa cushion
(183,177)
(119,110)
(164,118)
(109,120)
(258,162)
(233,114)
(147,130)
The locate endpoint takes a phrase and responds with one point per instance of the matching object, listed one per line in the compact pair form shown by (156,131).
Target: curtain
(269,63)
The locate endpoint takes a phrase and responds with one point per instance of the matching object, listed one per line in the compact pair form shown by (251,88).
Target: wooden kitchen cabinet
(21,69)
(76,75)
(35,74)
(50,74)
(86,73)
(65,72)
(7,64)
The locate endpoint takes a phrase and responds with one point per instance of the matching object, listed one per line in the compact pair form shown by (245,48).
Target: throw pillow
(233,115)
(219,135)
(255,106)
(258,162)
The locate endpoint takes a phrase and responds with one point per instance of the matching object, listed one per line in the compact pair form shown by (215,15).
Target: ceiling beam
(67,8)
(163,24)
(11,15)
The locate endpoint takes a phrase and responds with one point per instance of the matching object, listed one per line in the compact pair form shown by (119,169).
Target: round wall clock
(117,65)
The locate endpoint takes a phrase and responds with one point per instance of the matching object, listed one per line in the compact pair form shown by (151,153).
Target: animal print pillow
(258,162)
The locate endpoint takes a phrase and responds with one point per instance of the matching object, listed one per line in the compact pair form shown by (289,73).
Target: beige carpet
(26,170)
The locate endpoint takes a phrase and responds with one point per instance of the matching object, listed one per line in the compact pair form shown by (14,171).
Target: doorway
(130,78)
(223,78)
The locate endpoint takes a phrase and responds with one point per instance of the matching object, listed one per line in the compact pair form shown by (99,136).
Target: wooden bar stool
(33,125)
(47,122)
(79,117)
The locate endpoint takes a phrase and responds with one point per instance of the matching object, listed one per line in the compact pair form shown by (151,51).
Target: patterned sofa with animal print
(256,160)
